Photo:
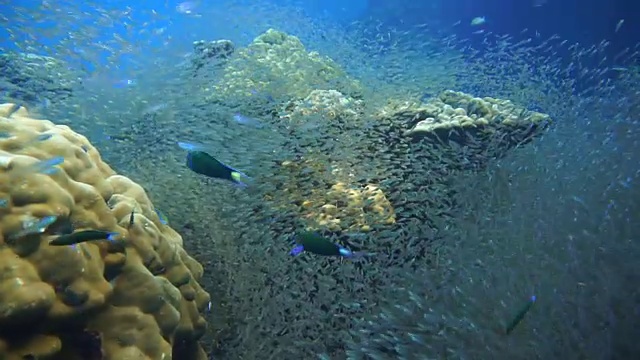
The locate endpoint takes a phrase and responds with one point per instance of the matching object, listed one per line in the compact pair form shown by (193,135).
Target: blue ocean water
(482,154)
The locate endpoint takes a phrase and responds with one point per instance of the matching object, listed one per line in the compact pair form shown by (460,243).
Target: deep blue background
(584,21)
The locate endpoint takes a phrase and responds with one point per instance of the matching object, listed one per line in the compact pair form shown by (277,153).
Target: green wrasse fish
(320,245)
(203,163)
(83,236)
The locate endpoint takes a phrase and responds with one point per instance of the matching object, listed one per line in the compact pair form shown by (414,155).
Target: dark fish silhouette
(82,236)
(520,315)
(317,244)
(203,163)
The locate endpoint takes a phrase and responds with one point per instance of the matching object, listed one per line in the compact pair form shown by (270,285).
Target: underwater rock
(333,204)
(482,127)
(336,196)
(276,68)
(328,104)
(453,110)
(212,53)
(35,80)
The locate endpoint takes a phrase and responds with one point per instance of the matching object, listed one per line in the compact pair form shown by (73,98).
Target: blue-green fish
(83,236)
(247,121)
(203,163)
(317,244)
(162,217)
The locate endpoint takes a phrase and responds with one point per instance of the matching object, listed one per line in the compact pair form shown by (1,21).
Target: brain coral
(133,297)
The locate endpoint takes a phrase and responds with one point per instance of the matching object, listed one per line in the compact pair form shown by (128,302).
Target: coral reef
(134,297)
(339,167)
(454,115)
(331,204)
(33,79)
(329,104)
(213,53)
(278,67)
(339,199)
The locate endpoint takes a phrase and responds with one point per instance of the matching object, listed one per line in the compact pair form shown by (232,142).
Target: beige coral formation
(278,66)
(134,297)
(345,207)
(334,204)
(453,110)
(329,104)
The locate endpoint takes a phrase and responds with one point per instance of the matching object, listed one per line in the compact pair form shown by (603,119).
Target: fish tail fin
(190,146)
(240,179)
(359,255)
(296,250)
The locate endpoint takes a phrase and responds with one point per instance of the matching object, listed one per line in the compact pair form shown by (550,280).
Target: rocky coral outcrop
(479,129)
(454,113)
(210,54)
(35,80)
(277,68)
(135,296)
(339,199)
(333,204)
(327,104)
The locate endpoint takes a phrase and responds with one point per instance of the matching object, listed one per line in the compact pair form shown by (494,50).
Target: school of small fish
(554,217)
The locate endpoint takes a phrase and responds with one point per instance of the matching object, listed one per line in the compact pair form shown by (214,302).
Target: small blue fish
(44,103)
(46,167)
(163,219)
(314,243)
(155,109)
(125,83)
(191,146)
(267,97)
(44,137)
(34,226)
(520,315)
(426,96)
(187,7)
(247,121)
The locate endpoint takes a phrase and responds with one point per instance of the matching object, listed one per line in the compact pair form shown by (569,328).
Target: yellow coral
(341,207)
(136,298)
